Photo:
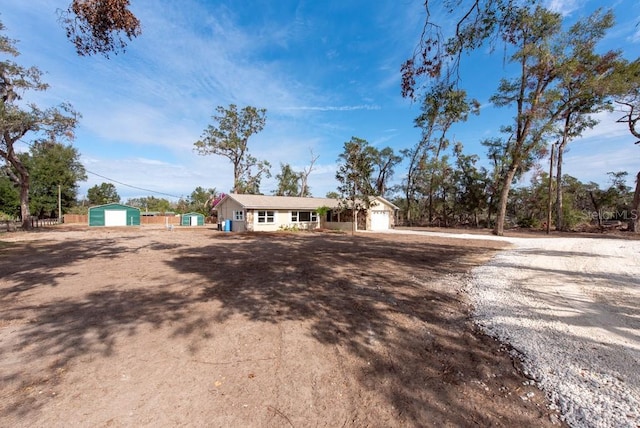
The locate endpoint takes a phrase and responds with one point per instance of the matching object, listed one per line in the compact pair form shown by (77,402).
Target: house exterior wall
(227,210)
(249,220)
(377,205)
(281,221)
(346,226)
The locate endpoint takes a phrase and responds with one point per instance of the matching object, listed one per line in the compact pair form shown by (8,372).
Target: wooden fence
(75,218)
(13,225)
(10,226)
(41,222)
(174,220)
(84,219)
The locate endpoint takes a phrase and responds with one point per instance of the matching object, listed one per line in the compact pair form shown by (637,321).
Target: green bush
(290,228)
(528,222)
(5,217)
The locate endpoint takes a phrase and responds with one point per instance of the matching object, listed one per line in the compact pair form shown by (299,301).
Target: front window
(266,216)
(238,215)
(303,216)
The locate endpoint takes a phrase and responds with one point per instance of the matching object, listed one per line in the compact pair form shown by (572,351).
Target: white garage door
(115,218)
(193,221)
(379,220)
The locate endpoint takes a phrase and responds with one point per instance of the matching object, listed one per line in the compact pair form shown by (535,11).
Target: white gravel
(570,307)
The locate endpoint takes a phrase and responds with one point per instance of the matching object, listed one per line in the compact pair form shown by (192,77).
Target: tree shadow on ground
(611,304)
(557,253)
(590,341)
(392,305)
(35,264)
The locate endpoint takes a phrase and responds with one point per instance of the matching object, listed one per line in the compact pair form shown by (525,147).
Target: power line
(133,187)
(116,181)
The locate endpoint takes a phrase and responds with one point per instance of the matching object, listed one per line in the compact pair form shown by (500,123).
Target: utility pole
(59,204)
(550,205)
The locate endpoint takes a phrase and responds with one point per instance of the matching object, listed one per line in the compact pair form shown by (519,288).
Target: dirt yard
(195,327)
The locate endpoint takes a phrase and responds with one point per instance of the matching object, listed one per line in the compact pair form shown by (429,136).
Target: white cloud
(564,7)
(594,167)
(635,38)
(137,177)
(137,123)
(334,108)
(607,127)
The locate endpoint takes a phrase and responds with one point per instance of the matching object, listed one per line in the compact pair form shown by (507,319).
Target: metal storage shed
(192,219)
(114,215)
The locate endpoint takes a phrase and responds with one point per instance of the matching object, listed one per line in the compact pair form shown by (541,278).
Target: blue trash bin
(227,225)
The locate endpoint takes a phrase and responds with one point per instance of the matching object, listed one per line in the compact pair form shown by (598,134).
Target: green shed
(192,219)
(114,215)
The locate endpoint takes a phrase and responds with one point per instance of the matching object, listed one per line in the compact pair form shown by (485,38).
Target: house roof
(281,202)
(289,202)
(386,201)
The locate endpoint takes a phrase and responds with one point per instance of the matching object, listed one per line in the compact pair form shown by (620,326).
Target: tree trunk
(19,175)
(634,222)
(596,206)
(504,198)
(559,202)
(431,201)
(550,202)
(445,213)
(445,217)
(409,197)
(489,211)
(24,203)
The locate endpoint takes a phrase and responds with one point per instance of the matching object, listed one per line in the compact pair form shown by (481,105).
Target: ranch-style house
(270,213)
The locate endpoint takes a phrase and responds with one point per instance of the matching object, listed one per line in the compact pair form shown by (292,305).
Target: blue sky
(324,70)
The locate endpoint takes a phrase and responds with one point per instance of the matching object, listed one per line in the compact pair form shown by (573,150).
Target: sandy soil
(148,327)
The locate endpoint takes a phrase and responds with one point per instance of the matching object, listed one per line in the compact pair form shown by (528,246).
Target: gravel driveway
(570,308)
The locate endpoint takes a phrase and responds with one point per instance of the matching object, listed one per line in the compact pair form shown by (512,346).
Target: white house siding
(265,227)
(282,220)
(380,216)
(226,211)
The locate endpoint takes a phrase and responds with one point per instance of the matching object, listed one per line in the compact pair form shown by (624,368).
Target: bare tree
(304,176)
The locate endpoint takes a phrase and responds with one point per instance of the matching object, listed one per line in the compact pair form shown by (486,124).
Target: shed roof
(114,204)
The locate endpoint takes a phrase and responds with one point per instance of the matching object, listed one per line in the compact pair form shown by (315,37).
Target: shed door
(193,221)
(115,218)
(379,220)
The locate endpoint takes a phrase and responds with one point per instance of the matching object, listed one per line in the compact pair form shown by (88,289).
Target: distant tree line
(561,81)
